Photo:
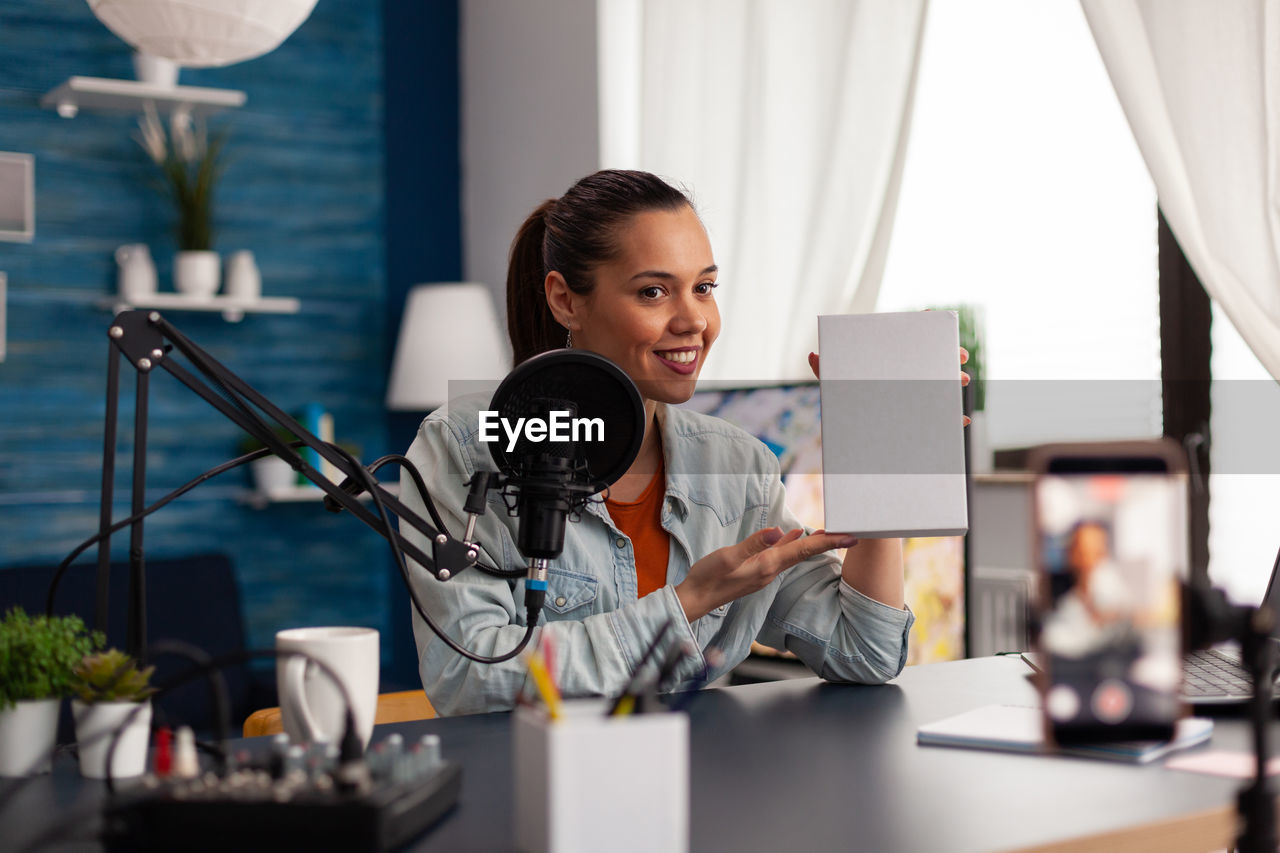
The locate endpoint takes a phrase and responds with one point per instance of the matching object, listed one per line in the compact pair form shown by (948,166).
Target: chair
(399,707)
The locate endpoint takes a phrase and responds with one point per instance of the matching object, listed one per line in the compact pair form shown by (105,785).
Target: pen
(626,701)
(714,658)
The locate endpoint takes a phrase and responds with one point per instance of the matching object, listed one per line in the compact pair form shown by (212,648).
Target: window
(1025,194)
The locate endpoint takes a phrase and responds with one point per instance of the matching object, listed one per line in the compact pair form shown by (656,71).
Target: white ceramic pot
(96,725)
(197,273)
(28,735)
(272,475)
(155,70)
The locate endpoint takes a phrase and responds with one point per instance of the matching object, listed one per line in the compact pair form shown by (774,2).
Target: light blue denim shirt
(722,485)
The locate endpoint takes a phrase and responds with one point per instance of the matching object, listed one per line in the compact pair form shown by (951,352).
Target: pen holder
(589,782)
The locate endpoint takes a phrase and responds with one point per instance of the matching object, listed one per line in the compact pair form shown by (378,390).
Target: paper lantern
(203,33)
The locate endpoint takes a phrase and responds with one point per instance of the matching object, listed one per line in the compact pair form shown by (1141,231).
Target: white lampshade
(449,332)
(203,33)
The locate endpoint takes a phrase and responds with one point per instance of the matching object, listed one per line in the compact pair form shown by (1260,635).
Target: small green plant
(249,443)
(111,676)
(971,339)
(38,654)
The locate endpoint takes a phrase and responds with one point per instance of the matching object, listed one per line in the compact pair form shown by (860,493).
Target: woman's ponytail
(530,323)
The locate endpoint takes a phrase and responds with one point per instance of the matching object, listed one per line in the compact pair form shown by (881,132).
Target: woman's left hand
(964,377)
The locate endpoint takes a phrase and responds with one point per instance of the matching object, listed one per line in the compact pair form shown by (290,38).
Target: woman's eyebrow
(667,275)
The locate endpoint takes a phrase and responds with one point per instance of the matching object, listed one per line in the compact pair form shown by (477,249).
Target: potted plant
(191,164)
(37,656)
(980,452)
(271,474)
(111,695)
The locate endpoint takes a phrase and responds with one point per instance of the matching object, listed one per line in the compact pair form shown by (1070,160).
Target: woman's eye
(653,292)
(705,288)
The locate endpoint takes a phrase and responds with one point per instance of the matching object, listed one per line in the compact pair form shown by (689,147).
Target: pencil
(542,680)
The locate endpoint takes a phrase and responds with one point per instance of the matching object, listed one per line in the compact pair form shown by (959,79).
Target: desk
(805,765)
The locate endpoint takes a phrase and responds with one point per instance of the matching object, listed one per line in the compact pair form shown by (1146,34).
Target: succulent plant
(111,676)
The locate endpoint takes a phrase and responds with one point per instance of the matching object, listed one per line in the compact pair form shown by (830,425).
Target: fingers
(759,541)
(964,355)
(813,364)
(964,378)
(795,547)
(967,420)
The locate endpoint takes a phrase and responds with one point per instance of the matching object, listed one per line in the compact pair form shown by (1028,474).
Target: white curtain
(788,121)
(1200,84)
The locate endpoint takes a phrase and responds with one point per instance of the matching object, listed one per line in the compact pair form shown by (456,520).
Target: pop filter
(593,392)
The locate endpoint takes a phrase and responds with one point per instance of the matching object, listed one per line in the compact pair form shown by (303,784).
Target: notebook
(1017,728)
(892,433)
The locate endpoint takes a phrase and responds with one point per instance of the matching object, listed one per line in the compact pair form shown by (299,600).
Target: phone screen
(1110,537)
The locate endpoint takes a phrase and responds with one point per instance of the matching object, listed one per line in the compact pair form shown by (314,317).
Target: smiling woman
(695,535)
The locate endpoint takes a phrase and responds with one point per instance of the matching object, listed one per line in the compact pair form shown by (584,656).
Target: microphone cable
(367,482)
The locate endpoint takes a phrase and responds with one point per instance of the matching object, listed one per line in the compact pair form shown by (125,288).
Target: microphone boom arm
(146,339)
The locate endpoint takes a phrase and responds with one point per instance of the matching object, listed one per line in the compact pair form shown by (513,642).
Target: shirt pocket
(570,592)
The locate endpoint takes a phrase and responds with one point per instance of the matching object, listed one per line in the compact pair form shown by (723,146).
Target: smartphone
(1111,551)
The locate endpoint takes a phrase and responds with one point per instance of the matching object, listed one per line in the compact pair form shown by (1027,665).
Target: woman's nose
(690,317)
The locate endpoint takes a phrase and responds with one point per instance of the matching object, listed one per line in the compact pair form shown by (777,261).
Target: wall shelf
(233,308)
(100,94)
(310,493)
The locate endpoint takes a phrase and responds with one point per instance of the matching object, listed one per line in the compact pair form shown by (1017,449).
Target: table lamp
(448,332)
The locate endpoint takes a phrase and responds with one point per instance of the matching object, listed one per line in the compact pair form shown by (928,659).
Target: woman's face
(653,310)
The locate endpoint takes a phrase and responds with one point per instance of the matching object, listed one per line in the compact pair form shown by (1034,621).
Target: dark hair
(573,235)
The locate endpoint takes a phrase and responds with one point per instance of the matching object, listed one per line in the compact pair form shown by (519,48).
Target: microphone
(561,427)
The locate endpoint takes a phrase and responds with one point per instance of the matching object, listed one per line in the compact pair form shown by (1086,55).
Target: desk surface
(802,764)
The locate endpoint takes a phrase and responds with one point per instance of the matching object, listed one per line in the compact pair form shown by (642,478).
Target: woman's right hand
(729,573)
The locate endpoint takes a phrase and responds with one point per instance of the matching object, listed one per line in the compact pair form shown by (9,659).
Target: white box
(588,782)
(892,433)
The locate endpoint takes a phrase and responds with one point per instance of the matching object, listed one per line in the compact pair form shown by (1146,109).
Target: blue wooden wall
(305,190)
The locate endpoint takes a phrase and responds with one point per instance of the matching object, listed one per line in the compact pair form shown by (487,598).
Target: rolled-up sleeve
(484,614)
(839,633)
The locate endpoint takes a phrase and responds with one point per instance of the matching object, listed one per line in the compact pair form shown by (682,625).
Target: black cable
(164,501)
(368,482)
(418,483)
(351,747)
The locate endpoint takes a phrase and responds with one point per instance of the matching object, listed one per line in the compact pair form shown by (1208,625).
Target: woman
(621,266)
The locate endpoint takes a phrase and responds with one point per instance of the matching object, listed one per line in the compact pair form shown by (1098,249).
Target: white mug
(311,705)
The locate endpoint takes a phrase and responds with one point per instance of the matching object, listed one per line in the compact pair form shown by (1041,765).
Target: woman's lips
(684,368)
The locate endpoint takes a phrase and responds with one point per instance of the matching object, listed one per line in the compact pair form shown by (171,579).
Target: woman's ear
(562,301)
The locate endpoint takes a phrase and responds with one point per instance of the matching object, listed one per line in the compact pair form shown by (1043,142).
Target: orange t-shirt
(641,520)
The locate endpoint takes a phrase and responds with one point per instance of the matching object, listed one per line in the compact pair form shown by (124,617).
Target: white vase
(96,725)
(155,70)
(197,273)
(243,279)
(28,735)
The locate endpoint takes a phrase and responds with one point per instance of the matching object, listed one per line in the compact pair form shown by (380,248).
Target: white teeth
(685,357)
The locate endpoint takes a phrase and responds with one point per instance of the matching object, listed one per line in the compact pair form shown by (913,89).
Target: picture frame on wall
(17,197)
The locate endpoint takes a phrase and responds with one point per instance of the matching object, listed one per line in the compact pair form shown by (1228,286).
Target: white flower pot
(197,273)
(28,734)
(95,728)
(272,475)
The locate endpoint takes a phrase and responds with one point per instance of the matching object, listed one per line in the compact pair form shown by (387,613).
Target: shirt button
(620,542)
(560,601)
